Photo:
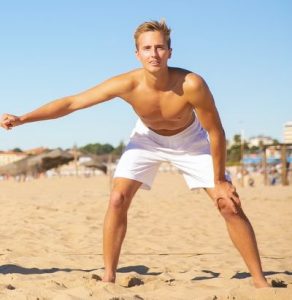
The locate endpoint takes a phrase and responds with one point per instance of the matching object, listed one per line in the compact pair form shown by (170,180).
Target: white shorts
(189,151)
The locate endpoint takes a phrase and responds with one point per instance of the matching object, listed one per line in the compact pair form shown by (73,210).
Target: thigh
(138,165)
(196,169)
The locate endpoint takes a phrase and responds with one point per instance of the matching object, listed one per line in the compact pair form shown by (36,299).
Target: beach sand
(176,246)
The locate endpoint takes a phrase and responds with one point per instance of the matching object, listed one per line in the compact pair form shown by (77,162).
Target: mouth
(154,63)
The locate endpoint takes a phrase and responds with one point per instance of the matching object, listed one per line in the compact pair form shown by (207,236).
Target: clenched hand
(8,121)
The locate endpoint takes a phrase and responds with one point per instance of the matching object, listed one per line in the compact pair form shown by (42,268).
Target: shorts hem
(201,186)
(144,185)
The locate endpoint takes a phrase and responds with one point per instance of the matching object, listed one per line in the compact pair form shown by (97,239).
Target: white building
(260,140)
(7,157)
(287,136)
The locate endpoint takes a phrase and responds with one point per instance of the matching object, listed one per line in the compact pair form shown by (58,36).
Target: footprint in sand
(10,287)
(96,277)
(279,283)
(130,281)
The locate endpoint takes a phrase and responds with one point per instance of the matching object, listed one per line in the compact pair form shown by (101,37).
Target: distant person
(176,111)
(274,176)
(250,181)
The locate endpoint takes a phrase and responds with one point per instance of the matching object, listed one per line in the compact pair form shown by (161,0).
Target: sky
(52,49)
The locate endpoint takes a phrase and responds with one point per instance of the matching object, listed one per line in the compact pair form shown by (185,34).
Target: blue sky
(51,49)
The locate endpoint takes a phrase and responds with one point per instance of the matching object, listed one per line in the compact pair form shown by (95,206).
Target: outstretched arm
(202,100)
(114,87)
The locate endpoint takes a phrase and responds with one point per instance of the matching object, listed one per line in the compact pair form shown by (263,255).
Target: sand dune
(176,247)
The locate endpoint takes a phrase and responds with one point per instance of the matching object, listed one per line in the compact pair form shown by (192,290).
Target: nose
(154,52)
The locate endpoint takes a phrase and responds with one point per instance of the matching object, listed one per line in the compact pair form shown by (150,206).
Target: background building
(287,135)
(7,157)
(260,140)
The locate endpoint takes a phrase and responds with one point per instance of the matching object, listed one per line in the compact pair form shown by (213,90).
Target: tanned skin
(165,99)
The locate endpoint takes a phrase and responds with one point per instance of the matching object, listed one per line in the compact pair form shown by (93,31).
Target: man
(176,111)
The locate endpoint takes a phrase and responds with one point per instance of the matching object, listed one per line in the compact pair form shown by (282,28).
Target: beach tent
(36,164)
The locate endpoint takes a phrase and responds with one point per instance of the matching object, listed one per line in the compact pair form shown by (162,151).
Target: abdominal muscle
(169,127)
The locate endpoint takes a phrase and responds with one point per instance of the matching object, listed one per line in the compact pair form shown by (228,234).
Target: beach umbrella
(33,165)
(273,160)
(252,160)
(95,164)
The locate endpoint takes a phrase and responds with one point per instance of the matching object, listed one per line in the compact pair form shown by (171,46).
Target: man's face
(153,51)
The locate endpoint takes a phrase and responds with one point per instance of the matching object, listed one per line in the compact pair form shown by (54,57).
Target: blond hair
(153,26)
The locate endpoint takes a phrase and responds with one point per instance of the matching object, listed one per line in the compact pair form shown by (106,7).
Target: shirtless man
(176,110)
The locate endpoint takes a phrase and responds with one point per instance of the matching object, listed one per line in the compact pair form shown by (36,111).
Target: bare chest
(166,106)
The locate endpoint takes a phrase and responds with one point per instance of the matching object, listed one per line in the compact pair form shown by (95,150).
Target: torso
(166,112)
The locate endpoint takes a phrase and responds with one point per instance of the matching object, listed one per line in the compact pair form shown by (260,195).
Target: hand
(225,190)
(8,121)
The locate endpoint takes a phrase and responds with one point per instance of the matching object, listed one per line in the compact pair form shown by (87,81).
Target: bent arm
(202,100)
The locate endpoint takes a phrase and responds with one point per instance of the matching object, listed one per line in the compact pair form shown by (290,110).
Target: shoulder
(194,82)
(196,89)
(190,80)
(128,78)
(125,82)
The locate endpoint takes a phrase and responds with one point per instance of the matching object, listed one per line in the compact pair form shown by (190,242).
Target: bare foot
(109,278)
(261,283)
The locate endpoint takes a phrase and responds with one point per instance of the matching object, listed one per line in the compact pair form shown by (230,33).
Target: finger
(3,124)
(234,196)
(234,206)
(232,189)
(7,125)
(236,201)
(5,117)
(7,122)
(217,202)
(10,119)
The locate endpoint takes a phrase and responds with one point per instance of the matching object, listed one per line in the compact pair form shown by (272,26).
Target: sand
(176,247)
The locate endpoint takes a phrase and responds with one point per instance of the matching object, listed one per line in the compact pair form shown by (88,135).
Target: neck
(159,80)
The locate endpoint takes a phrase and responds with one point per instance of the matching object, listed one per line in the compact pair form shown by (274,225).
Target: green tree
(276,142)
(97,148)
(119,149)
(234,154)
(254,149)
(237,139)
(234,151)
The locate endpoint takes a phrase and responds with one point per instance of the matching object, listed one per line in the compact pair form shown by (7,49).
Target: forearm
(51,110)
(218,152)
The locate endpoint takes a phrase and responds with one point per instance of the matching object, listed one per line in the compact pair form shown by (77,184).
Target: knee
(225,207)
(118,200)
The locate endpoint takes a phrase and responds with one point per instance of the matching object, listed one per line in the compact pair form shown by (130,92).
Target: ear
(170,53)
(137,54)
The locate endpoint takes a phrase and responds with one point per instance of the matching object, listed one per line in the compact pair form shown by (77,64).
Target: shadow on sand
(14,269)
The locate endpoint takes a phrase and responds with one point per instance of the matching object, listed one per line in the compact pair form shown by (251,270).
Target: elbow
(222,132)
(217,136)
(72,103)
(218,132)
